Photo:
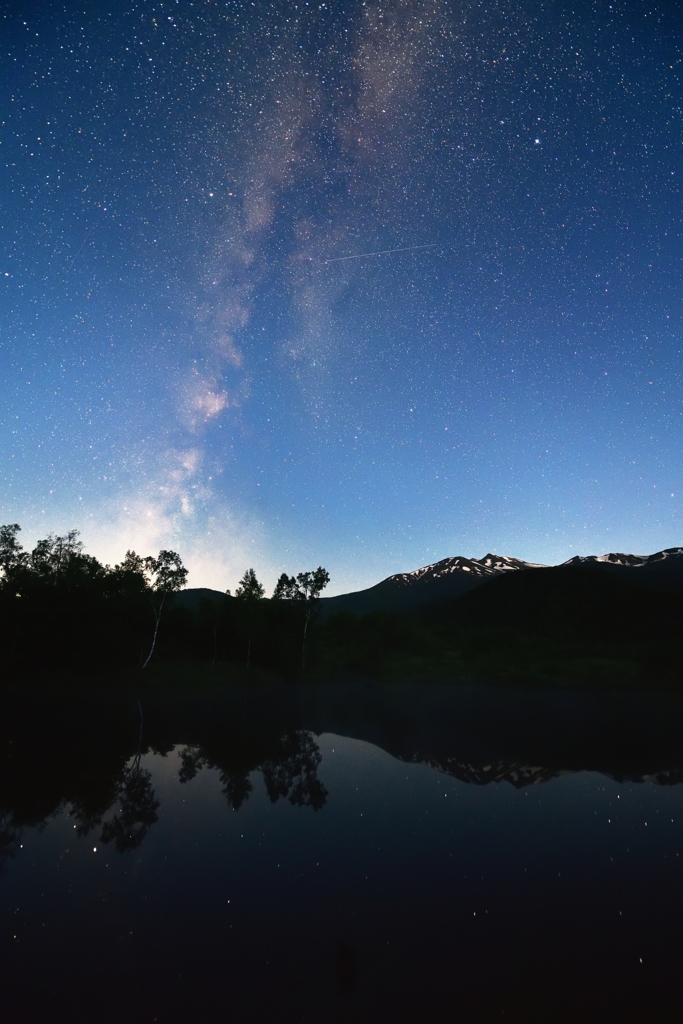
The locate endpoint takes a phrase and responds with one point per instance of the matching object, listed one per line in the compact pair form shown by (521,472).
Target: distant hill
(193,597)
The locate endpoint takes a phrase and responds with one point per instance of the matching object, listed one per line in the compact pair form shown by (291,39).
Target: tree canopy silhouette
(249,588)
(163,575)
(305,588)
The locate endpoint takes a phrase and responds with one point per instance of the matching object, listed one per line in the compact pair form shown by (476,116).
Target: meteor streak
(381,252)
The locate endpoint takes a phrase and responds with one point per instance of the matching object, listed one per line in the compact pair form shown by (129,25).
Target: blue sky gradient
(187,360)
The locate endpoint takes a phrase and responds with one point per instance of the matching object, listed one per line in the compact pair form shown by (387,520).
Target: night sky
(190,359)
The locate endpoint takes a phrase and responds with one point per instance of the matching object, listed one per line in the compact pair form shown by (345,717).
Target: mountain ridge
(619,558)
(486,566)
(456,576)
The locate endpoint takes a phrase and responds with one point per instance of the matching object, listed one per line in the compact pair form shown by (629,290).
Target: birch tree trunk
(303,649)
(157,620)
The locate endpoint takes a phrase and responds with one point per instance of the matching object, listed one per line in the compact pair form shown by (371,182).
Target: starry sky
(197,350)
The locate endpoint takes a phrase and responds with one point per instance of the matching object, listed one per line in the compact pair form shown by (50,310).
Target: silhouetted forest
(61,610)
(568,623)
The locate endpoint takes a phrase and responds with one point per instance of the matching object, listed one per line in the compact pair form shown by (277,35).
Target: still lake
(353,852)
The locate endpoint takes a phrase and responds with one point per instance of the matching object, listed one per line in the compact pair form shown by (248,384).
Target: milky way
(191,357)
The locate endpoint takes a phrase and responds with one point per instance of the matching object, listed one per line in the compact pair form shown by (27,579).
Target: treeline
(62,609)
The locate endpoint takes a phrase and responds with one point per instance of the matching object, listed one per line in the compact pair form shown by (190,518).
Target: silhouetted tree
(130,575)
(13,562)
(165,575)
(311,585)
(286,588)
(305,588)
(52,556)
(59,562)
(249,592)
(249,588)
(12,555)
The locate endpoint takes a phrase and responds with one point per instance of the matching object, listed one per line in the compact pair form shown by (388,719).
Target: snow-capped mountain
(452,577)
(619,558)
(522,775)
(489,565)
(662,569)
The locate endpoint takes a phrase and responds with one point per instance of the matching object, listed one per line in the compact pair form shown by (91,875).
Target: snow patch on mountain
(489,565)
(619,558)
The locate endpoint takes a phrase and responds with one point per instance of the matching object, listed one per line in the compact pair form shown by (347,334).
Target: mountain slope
(614,619)
(453,577)
(575,601)
(662,569)
(439,581)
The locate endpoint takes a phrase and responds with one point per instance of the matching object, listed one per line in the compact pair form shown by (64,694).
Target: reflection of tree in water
(191,761)
(236,785)
(290,770)
(236,788)
(10,835)
(138,810)
(89,810)
(294,771)
(81,755)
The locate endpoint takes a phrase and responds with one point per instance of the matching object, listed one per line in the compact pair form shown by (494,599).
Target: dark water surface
(344,853)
